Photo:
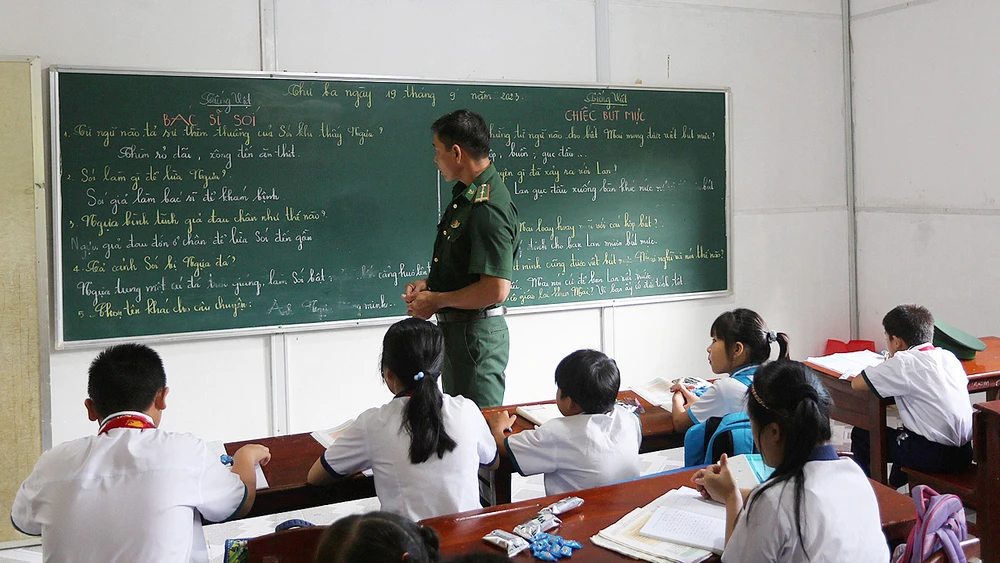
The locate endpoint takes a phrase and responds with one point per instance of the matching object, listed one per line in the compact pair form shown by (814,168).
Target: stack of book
(680,526)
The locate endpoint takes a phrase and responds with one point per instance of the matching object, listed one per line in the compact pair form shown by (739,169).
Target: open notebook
(538,414)
(848,364)
(657,391)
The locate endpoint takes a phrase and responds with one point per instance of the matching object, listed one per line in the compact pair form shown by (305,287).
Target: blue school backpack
(705,442)
(940,526)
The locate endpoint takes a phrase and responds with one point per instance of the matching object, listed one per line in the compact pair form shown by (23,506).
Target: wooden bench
(288,546)
(970,547)
(974,485)
(964,484)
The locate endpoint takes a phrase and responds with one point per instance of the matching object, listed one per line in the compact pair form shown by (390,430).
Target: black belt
(464,316)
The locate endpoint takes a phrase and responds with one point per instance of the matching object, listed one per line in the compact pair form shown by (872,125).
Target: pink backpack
(940,525)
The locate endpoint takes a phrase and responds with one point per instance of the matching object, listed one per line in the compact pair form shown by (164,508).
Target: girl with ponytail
(815,506)
(425,448)
(741,342)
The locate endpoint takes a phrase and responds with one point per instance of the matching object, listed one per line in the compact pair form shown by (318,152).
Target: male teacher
(470,273)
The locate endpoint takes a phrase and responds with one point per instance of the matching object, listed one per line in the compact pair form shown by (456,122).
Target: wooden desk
(657,434)
(864,410)
(986,435)
(293,455)
(291,458)
(603,506)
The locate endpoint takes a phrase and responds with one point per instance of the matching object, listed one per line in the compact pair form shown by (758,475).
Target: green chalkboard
(193,203)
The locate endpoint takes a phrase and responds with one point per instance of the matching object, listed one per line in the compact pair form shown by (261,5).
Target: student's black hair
(413,350)
(378,537)
(746,326)
(790,394)
(590,378)
(125,377)
(911,323)
(466,129)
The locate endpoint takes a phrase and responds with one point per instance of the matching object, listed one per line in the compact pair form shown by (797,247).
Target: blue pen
(226,459)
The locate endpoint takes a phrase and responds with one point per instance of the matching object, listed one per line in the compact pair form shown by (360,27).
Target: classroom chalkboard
(189,203)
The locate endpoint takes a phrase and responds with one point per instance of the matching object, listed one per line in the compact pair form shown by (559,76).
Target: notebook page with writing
(687,518)
(623,536)
(687,528)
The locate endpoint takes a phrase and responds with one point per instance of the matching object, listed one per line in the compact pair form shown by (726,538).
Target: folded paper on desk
(218,448)
(261,480)
(658,392)
(623,536)
(538,414)
(848,364)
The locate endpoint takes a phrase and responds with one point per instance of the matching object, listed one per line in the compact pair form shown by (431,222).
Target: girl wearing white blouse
(816,506)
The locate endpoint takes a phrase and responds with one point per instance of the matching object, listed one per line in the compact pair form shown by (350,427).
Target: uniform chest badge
(455,224)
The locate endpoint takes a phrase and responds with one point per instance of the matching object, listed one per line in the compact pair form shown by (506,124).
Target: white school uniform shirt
(727,395)
(376,440)
(126,495)
(579,451)
(839,517)
(931,391)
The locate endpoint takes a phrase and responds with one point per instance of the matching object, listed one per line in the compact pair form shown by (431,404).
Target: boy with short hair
(132,492)
(594,443)
(931,390)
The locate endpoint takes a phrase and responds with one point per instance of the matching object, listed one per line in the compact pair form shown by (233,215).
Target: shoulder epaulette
(483,194)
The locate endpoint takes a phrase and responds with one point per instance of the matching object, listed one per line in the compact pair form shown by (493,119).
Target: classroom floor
(522,488)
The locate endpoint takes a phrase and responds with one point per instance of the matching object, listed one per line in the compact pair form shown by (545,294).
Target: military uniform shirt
(477,235)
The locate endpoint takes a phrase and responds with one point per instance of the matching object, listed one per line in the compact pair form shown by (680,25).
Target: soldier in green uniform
(471,269)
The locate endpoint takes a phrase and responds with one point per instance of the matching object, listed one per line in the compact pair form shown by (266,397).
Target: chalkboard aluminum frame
(62,344)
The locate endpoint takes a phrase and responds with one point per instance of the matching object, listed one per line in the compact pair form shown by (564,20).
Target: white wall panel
(538,342)
(863,7)
(218,389)
(540,40)
(790,268)
(333,376)
(829,7)
(925,106)
(948,263)
(181,34)
(786,75)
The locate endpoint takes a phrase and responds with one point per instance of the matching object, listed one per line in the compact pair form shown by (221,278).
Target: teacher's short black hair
(590,378)
(125,377)
(466,129)
(912,323)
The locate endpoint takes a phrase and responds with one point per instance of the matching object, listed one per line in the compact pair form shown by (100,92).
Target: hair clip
(772,336)
(762,403)
(419,376)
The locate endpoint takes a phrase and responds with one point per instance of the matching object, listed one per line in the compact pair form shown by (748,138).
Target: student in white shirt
(595,442)
(931,390)
(740,343)
(815,507)
(424,448)
(132,492)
